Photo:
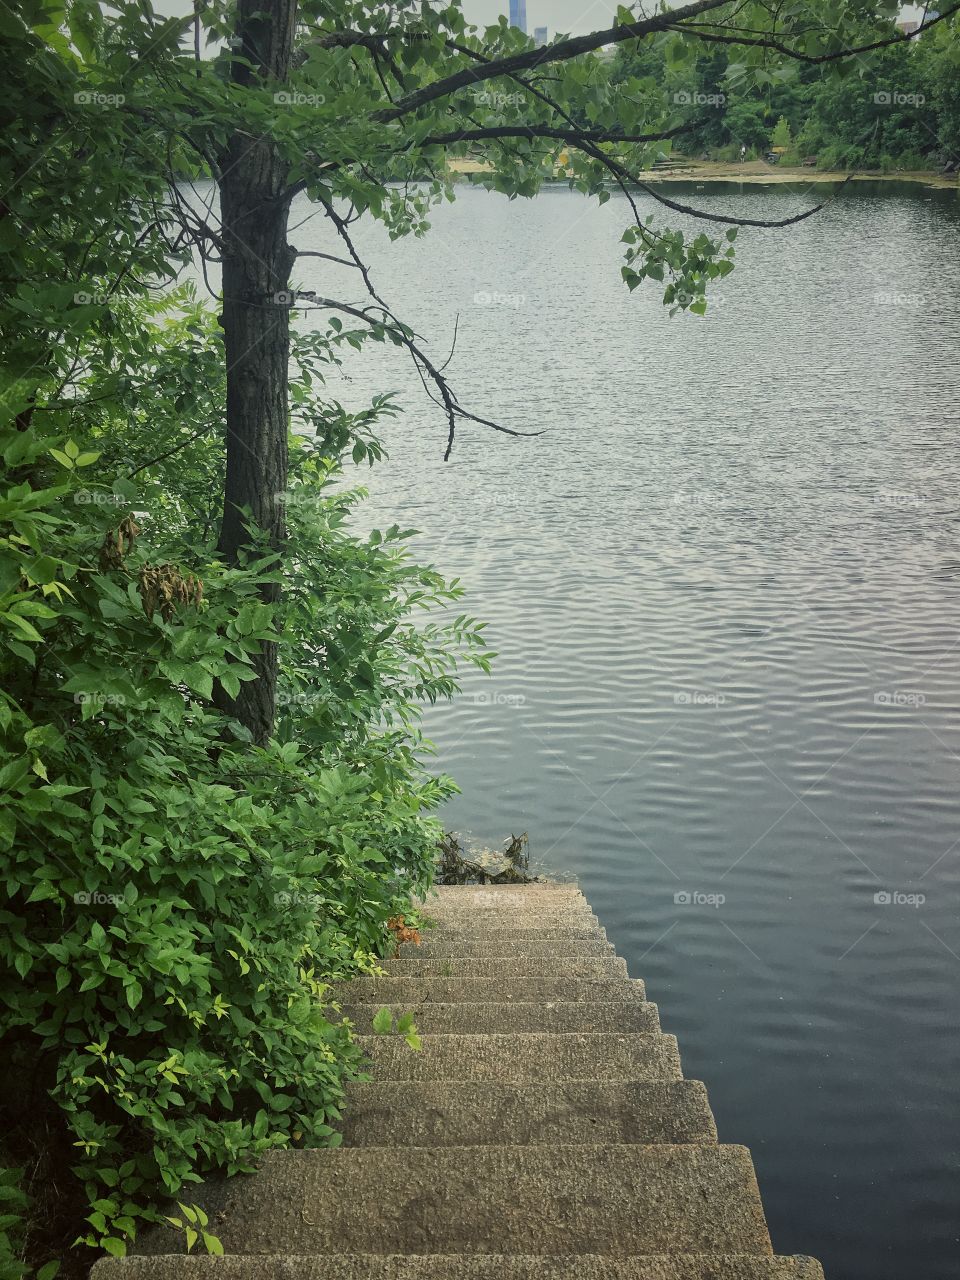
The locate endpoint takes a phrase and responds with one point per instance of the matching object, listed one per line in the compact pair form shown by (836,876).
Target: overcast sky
(573,17)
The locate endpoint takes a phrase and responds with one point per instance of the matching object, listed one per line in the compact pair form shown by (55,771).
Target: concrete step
(490,900)
(615,1200)
(451,931)
(367,1266)
(501,894)
(439,944)
(530,920)
(483,1019)
(413,991)
(566,903)
(529,1056)
(516,966)
(546,883)
(466,1114)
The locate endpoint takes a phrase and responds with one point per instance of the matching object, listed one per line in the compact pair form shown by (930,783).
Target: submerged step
(496,990)
(465,1113)
(526,1056)
(479,1018)
(614,1200)
(368,1266)
(521,966)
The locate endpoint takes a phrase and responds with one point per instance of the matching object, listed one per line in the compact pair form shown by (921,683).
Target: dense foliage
(177,901)
(177,893)
(897,109)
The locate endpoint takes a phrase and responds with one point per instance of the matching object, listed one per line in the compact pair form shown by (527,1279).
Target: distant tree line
(898,110)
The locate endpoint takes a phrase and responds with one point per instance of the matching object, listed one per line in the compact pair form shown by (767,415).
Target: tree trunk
(254,208)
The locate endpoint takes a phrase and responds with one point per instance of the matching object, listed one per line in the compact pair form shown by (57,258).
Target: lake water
(725,590)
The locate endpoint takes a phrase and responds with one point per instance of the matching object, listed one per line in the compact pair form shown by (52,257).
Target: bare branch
(386,321)
(559,51)
(329,257)
(546,131)
(725,219)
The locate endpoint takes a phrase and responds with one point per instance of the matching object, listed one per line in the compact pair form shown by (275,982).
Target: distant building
(539,36)
(518,14)
(913,17)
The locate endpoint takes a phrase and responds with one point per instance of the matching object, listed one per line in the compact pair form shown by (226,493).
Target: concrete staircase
(543,1132)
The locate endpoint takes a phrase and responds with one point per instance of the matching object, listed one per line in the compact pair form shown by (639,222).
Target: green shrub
(176,901)
(842,156)
(910,161)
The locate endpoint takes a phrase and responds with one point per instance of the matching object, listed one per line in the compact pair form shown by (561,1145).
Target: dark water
(725,588)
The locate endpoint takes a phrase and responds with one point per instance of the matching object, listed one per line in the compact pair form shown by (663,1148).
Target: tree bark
(254,209)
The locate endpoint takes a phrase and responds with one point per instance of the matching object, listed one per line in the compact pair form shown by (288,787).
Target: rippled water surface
(725,590)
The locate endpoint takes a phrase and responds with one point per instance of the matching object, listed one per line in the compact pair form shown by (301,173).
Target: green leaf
(382,1022)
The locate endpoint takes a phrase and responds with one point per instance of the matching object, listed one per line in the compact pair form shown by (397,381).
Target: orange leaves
(403,932)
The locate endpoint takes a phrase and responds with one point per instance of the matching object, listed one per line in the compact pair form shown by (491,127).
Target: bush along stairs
(543,1131)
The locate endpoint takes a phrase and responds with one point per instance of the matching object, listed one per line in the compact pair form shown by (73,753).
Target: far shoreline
(759,173)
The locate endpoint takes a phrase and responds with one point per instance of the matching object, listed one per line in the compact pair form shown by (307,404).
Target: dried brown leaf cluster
(118,543)
(403,932)
(163,588)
